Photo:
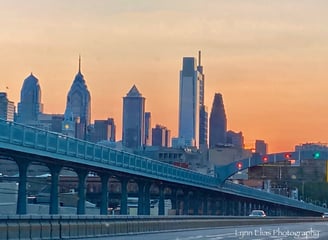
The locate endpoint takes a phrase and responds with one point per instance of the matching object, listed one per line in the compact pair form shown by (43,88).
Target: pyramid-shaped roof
(134,92)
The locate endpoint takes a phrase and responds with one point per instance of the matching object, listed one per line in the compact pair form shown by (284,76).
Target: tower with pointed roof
(30,105)
(78,106)
(133,133)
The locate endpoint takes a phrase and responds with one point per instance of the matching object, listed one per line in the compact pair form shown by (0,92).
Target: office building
(189,103)
(218,122)
(78,107)
(7,108)
(148,130)
(30,105)
(203,114)
(235,139)
(261,147)
(104,130)
(161,136)
(133,128)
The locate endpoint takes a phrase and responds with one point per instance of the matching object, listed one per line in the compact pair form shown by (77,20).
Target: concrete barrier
(64,227)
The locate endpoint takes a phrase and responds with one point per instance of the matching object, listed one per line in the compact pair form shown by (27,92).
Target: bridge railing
(91,153)
(271,197)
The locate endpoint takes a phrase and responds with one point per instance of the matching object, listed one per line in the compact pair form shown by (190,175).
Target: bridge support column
(22,192)
(147,199)
(54,193)
(82,175)
(174,201)
(186,203)
(141,198)
(205,205)
(161,204)
(213,206)
(124,197)
(104,194)
(195,203)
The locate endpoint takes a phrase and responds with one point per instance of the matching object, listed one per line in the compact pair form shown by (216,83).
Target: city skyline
(268,60)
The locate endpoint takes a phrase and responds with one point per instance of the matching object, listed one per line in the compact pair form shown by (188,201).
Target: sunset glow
(268,59)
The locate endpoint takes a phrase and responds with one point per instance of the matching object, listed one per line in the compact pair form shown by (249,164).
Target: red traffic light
(265,159)
(239,165)
(288,155)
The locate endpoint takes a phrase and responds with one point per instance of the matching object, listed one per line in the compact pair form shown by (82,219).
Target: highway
(315,230)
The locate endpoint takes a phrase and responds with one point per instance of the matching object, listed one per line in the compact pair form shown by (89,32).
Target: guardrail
(59,145)
(64,227)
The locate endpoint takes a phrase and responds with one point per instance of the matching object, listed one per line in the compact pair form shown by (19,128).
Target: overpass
(294,158)
(189,191)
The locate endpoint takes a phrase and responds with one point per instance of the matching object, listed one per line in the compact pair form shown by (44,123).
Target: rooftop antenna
(199,58)
(79,63)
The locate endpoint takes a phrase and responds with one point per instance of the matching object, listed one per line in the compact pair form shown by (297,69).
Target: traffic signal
(288,155)
(239,165)
(316,155)
(265,159)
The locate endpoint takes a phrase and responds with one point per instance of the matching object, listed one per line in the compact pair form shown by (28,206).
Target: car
(325,215)
(257,213)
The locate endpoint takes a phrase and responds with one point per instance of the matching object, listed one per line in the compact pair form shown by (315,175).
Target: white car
(325,215)
(257,213)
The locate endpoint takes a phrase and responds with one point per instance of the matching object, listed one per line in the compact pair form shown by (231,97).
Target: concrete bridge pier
(186,202)
(205,204)
(143,197)
(161,204)
(195,203)
(54,195)
(22,192)
(82,176)
(124,196)
(104,194)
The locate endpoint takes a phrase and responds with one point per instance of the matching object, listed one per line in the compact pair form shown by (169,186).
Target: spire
(79,63)
(199,58)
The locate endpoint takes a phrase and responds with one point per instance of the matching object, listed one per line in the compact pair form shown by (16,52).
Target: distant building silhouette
(7,108)
(78,107)
(133,128)
(235,139)
(203,114)
(148,131)
(261,147)
(104,130)
(218,122)
(161,136)
(30,105)
(193,116)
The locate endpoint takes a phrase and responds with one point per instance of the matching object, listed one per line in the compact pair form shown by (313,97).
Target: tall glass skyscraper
(148,131)
(218,122)
(203,115)
(192,111)
(30,105)
(78,105)
(133,130)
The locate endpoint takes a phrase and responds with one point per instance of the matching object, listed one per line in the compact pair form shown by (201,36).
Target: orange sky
(268,59)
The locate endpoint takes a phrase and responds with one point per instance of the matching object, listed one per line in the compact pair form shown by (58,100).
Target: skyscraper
(189,99)
(148,131)
(78,105)
(133,130)
(30,105)
(261,147)
(203,115)
(218,122)
(104,130)
(7,108)
(161,136)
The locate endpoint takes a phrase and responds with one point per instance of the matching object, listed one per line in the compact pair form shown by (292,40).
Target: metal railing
(59,145)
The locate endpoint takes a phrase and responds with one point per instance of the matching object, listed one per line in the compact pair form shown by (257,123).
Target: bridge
(190,192)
